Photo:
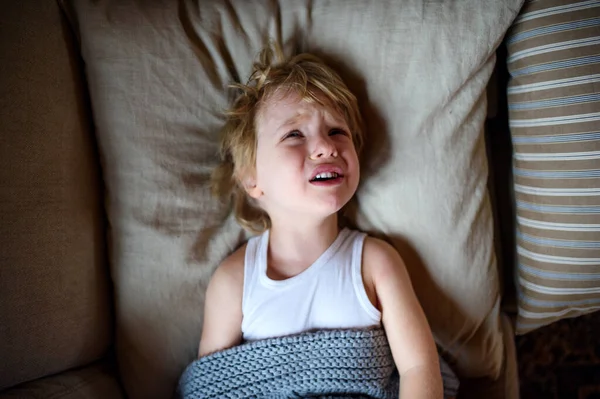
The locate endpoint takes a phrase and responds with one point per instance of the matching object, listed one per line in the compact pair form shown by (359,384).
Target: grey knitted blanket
(322,364)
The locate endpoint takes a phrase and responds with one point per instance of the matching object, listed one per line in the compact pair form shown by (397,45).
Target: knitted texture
(321,364)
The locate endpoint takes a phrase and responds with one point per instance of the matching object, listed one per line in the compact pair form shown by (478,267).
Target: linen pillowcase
(158,72)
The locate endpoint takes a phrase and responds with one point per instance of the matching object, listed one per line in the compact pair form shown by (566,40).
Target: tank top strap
(253,263)
(358,243)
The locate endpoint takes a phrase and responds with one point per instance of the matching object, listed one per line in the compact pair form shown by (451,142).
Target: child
(290,162)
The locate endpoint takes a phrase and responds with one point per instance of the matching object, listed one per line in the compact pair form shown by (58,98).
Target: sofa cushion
(158,73)
(554,104)
(96,381)
(54,292)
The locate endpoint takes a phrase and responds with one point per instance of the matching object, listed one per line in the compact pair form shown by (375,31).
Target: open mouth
(326,176)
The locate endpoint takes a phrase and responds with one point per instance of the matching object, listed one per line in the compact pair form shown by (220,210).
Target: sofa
(106,250)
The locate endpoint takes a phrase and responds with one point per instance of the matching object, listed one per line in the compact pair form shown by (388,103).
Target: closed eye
(337,131)
(293,134)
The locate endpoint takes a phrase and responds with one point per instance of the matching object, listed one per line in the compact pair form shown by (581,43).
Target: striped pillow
(554,109)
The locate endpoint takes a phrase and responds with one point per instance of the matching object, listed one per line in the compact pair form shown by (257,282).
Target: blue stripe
(554,304)
(592,59)
(577,137)
(563,9)
(558,208)
(559,276)
(567,174)
(554,47)
(567,156)
(551,84)
(555,102)
(558,243)
(553,29)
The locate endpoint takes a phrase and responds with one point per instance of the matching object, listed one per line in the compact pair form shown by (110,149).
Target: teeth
(327,175)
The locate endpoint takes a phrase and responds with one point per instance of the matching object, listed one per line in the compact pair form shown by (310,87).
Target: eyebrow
(294,119)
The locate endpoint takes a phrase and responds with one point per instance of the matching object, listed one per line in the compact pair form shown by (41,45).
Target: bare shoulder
(223,305)
(379,248)
(231,269)
(380,263)
(227,282)
(380,259)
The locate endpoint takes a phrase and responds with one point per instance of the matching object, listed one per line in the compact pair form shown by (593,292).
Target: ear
(251,187)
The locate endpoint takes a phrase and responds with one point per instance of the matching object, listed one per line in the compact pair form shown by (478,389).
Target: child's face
(306,163)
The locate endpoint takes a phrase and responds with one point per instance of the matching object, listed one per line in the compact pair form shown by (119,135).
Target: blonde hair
(305,75)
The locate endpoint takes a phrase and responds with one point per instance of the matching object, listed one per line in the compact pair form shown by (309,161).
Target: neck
(300,244)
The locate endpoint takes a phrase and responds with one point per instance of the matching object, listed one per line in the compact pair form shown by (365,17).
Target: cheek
(262,165)
(287,158)
(354,167)
(352,159)
(277,167)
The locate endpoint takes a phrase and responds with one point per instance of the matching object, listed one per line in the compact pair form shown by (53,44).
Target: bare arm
(222,327)
(408,332)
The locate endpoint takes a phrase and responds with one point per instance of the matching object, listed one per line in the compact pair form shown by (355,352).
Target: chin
(329,206)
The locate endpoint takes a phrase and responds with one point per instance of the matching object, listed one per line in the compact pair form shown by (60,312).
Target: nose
(324,148)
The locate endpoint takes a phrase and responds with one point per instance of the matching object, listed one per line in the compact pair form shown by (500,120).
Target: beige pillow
(157,73)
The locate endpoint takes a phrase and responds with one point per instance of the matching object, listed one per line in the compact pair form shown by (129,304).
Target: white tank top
(328,294)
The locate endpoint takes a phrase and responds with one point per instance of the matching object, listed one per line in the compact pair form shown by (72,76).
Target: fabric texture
(329,294)
(55,306)
(504,387)
(158,74)
(96,381)
(326,363)
(554,105)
